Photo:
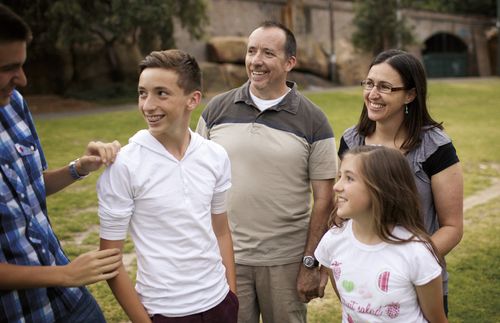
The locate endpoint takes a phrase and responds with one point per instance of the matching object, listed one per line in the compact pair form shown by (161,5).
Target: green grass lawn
(470,110)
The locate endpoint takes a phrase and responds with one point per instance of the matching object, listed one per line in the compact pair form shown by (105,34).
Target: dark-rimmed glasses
(382,87)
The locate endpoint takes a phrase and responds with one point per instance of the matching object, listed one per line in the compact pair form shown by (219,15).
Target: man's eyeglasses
(382,87)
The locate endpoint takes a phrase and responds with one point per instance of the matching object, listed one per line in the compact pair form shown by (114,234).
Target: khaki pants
(270,291)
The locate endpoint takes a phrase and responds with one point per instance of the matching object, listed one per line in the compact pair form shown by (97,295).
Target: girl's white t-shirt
(377,283)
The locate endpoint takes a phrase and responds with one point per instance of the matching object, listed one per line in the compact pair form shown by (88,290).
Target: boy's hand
(97,154)
(92,267)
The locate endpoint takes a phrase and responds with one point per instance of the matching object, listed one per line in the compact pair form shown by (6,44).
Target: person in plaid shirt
(38,283)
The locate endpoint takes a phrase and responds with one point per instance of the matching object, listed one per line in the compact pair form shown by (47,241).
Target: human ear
(290,63)
(410,95)
(194,100)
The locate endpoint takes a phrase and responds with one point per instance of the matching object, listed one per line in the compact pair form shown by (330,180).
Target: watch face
(308,261)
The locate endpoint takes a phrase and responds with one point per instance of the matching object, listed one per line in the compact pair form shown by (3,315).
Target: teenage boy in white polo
(168,186)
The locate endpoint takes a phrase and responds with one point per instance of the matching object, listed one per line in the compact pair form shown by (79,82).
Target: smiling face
(12,57)
(164,105)
(353,197)
(266,62)
(386,107)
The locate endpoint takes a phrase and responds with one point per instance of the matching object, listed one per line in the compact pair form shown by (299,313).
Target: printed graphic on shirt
(359,297)
(337,269)
(383,281)
(391,310)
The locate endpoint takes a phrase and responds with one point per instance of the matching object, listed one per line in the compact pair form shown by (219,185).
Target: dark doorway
(445,55)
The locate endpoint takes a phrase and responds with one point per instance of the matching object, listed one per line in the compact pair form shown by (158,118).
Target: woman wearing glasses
(395,115)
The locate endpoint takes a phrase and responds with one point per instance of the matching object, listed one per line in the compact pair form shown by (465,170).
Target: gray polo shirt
(274,155)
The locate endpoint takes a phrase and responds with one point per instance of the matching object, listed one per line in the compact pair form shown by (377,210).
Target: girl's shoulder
(415,243)
(346,225)
(337,232)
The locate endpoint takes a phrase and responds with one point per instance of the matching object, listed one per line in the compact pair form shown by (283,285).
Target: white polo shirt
(166,205)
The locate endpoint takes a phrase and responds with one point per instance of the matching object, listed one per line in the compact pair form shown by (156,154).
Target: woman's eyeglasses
(382,87)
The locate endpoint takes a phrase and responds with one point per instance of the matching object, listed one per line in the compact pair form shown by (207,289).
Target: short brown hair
(12,27)
(178,61)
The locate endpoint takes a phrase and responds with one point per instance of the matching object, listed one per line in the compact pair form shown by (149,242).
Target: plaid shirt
(26,237)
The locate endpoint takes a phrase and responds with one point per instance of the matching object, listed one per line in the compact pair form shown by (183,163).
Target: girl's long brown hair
(393,194)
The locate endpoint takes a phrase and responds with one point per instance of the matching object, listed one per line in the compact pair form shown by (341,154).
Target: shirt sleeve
(219,203)
(442,158)
(201,128)
(342,147)
(116,202)
(321,253)
(424,266)
(224,179)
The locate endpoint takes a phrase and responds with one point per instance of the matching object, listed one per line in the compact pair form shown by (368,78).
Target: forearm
(23,277)
(318,224)
(225,242)
(446,238)
(88,268)
(226,250)
(56,180)
(447,192)
(96,154)
(122,287)
(125,294)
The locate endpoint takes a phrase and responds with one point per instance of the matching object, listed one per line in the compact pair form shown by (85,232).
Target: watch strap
(73,172)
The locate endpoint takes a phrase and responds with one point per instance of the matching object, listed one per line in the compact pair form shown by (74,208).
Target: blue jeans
(87,310)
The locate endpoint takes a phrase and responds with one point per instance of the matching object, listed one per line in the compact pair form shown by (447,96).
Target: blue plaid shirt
(26,237)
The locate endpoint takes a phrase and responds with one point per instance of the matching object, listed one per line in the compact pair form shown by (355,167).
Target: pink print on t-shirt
(383,281)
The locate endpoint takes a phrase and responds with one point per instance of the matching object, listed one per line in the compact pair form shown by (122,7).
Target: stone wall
(320,42)
(310,21)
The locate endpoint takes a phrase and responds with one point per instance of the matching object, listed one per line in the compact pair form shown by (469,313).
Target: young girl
(384,266)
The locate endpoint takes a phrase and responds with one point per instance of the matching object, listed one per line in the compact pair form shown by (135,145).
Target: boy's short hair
(182,63)
(12,27)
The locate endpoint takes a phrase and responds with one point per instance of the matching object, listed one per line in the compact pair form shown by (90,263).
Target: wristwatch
(310,262)
(74,172)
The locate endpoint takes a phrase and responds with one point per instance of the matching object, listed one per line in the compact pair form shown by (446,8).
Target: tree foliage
(149,24)
(118,20)
(464,7)
(378,27)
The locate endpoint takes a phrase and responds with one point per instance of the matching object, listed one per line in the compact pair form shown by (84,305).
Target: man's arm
(87,268)
(96,154)
(123,289)
(225,241)
(309,282)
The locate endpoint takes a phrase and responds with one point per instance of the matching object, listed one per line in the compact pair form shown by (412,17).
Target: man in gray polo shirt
(280,145)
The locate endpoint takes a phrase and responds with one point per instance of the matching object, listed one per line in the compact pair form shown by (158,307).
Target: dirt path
(479,198)
(483,196)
